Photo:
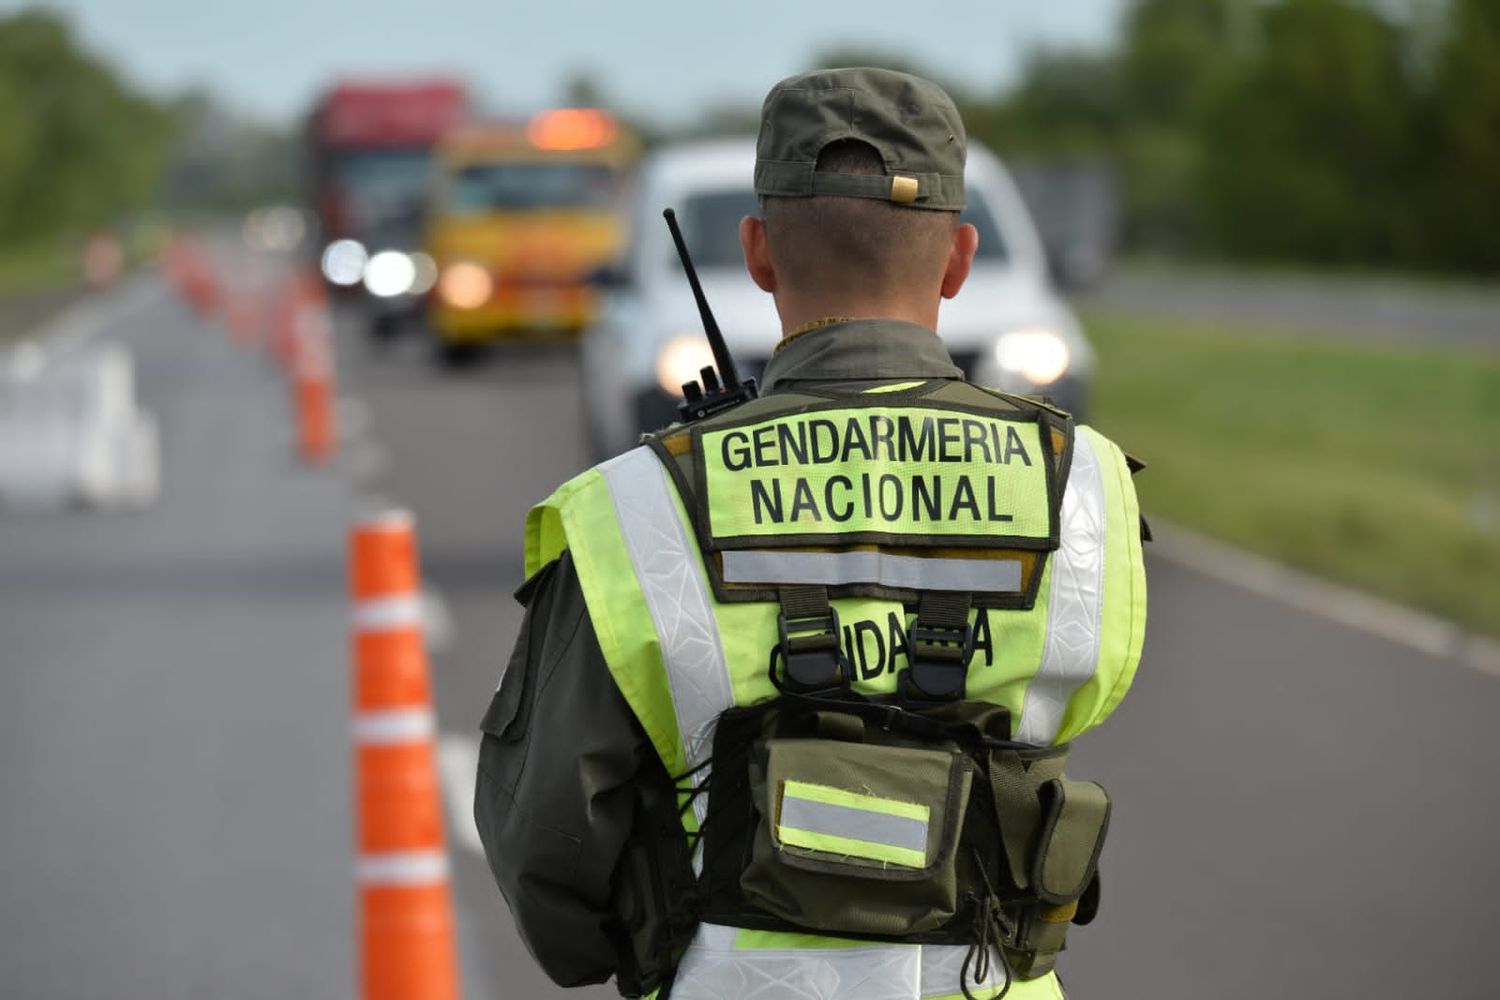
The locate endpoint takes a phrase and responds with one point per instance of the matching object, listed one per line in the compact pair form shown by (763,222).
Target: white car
(1005,329)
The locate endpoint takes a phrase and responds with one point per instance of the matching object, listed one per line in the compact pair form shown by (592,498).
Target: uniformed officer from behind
(789,709)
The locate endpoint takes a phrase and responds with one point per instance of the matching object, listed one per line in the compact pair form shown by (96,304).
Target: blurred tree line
(77,145)
(1348,132)
(81,148)
(1344,132)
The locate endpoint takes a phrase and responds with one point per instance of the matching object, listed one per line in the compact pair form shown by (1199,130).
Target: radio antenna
(721,388)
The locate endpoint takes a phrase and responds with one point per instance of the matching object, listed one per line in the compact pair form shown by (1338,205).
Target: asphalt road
(1395,311)
(174,797)
(1303,808)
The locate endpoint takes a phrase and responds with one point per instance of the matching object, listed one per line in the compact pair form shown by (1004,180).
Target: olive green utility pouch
(1075,817)
(859,819)
(856,838)
(1063,872)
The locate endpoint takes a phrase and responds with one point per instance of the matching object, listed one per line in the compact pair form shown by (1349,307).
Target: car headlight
(344,262)
(1036,354)
(465,285)
(389,273)
(680,360)
(424,273)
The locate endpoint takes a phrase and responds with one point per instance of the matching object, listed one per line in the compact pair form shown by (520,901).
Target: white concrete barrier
(71,431)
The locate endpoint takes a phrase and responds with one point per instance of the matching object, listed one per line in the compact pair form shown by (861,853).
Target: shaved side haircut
(856,245)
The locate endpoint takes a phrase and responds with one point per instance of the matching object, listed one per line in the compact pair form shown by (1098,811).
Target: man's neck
(797,315)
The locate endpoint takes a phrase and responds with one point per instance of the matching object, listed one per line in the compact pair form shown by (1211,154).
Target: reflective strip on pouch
(403,868)
(1071,654)
(388,613)
(714,968)
(832,569)
(836,821)
(401,725)
(666,564)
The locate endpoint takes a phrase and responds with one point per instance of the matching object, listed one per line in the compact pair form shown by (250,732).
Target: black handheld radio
(720,389)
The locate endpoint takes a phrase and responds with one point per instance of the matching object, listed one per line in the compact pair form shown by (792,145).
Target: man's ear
(757,253)
(960,258)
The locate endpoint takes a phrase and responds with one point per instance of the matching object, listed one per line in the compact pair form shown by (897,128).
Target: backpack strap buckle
(940,645)
(810,649)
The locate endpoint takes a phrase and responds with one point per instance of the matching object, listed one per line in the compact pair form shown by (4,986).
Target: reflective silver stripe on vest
(942,965)
(832,569)
(714,969)
(1071,653)
(847,823)
(666,564)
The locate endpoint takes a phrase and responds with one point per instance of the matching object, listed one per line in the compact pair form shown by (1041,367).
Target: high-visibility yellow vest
(681,655)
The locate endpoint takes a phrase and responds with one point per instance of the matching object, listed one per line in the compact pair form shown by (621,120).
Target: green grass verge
(1376,466)
(38,268)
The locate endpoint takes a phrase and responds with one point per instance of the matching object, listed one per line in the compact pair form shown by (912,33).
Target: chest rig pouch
(867,820)
(911,816)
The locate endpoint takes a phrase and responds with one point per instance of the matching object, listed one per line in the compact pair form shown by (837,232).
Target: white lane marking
(80,323)
(1427,634)
(458,762)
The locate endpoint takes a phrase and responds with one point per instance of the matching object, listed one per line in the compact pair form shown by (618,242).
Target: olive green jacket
(562,753)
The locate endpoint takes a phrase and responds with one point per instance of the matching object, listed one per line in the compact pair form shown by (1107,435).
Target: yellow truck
(522,217)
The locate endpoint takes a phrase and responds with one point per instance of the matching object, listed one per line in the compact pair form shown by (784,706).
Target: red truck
(371,148)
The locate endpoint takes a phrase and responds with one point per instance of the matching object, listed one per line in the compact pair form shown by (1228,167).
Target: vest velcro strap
(940,646)
(808,658)
(1017,810)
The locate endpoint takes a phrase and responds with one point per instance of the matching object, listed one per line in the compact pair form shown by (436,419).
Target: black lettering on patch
(916,446)
(736,449)
(1015,446)
(802,500)
(868,670)
(837,512)
(964,499)
(992,491)
(770,501)
(983,640)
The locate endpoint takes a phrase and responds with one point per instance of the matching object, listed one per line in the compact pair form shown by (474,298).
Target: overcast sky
(666,59)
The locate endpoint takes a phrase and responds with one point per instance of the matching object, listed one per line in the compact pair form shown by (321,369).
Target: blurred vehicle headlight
(1037,354)
(424,273)
(465,285)
(389,273)
(680,360)
(275,227)
(344,262)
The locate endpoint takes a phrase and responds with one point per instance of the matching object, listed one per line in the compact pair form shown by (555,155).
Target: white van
(1006,328)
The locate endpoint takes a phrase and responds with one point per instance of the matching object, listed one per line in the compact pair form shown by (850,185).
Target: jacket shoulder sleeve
(553,800)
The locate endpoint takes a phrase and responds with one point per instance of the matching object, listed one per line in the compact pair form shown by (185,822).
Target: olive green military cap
(910,121)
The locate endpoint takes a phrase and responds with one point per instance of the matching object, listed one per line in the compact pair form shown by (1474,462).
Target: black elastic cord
(990,931)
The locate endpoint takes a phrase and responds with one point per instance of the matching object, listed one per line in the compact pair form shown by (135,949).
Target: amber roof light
(572,128)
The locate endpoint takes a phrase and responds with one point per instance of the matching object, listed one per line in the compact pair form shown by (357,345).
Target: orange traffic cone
(312,378)
(406,912)
(243,315)
(198,278)
(283,332)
